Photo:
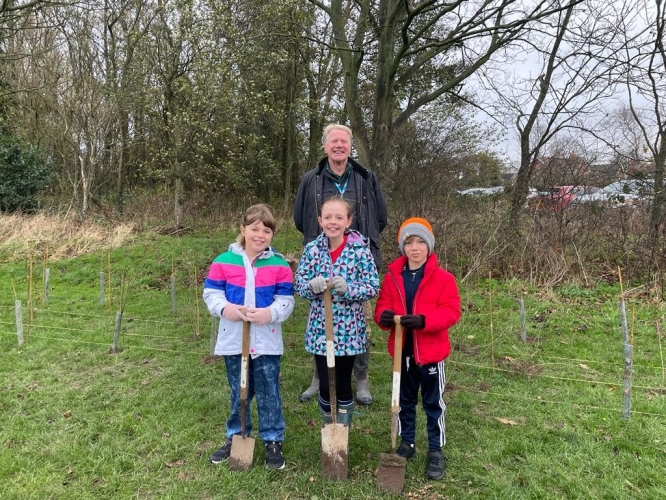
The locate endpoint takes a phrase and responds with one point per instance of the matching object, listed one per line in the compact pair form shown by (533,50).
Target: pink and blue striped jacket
(266,282)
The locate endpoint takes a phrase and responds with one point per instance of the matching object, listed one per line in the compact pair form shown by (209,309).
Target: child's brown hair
(257,213)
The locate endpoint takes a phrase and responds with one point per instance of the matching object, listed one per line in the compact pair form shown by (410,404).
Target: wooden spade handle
(395,393)
(244,371)
(330,350)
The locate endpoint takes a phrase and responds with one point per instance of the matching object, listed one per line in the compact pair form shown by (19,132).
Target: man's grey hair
(337,126)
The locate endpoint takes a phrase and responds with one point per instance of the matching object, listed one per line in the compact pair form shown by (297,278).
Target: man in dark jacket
(338,174)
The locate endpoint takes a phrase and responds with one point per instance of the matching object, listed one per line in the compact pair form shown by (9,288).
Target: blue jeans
(264,383)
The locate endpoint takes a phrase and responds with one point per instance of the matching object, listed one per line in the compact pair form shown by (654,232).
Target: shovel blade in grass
(334,451)
(391,473)
(242,452)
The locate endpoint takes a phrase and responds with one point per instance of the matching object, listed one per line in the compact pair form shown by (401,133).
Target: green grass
(524,420)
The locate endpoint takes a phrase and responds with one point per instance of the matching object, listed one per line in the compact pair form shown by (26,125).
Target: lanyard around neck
(342,187)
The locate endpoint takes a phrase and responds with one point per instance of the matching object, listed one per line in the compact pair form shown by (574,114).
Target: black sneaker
(222,454)
(406,450)
(436,465)
(274,456)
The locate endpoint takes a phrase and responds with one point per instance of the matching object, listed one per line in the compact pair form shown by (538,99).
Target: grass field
(535,419)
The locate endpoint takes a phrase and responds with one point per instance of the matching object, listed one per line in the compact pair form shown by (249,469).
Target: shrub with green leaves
(23,172)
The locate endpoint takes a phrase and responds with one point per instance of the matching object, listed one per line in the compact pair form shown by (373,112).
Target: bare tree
(572,57)
(645,65)
(398,56)
(125,27)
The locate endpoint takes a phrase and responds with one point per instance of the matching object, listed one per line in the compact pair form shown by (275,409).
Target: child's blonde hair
(257,213)
(338,198)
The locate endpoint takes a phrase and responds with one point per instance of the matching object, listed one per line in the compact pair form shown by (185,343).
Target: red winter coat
(436,298)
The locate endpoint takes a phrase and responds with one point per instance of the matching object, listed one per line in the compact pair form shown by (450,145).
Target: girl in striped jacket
(251,282)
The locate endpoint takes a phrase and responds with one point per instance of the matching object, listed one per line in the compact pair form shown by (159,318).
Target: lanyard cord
(342,187)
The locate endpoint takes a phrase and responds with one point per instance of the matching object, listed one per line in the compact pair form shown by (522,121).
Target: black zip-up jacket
(370,201)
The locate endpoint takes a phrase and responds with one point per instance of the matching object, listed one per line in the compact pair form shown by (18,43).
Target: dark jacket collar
(399,264)
(356,167)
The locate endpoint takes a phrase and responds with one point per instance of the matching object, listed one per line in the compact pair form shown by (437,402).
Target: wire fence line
(474,317)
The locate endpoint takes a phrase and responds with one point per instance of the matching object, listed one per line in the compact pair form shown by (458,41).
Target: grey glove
(340,285)
(318,284)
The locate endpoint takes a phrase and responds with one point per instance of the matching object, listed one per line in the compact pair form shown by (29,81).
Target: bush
(23,172)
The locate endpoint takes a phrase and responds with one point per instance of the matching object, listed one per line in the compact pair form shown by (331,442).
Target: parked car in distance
(560,197)
(629,192)
(589,194)
(482,191)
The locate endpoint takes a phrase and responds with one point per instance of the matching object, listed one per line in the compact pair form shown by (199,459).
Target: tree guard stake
(101,288)
(116,333)
(523,321)
(19,322)
(626,379)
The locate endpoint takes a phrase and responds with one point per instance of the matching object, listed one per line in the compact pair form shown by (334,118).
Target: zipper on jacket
(417,357)
(404,302)
(359,186)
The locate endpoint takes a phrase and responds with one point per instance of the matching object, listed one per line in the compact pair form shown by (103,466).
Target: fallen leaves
(177,463)
(506,421)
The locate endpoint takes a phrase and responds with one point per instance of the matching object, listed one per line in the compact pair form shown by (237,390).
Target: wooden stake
(45,297)
(173,287)
(30,314)
(623,321)
(173,294)
(490,306)
(197,322)
(108,259)
(661,355)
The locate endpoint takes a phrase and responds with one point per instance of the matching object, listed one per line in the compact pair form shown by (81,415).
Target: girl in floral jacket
(342,257)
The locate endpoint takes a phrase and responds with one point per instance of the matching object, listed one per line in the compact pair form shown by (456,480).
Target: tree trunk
(289,135)
(179,197)
(122,161)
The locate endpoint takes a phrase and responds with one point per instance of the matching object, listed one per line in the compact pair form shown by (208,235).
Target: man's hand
(386,318)
(259,316)
(318,284)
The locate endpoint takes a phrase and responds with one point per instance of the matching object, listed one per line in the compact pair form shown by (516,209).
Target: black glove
(386,319)
(413,321)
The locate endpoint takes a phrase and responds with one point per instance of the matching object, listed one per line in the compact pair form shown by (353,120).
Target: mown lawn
(540,419)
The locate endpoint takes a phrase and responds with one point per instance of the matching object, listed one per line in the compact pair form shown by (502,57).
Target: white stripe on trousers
(442,404)
(441,421)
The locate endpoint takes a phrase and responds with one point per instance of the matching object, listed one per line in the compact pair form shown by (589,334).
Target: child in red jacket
(426,296)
